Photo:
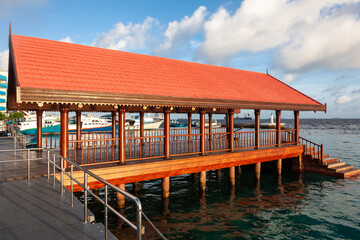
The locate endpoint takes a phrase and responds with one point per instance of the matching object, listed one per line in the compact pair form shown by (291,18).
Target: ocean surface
(293,206)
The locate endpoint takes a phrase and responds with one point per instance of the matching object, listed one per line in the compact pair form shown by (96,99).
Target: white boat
(149,123)
(50,123)
(214,124)
(91,122)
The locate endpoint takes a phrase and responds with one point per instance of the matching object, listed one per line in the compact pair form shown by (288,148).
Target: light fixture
(80,105)
(144,107)
(40,104)
(214,109)
(116,106)
(193,109)
(171,108)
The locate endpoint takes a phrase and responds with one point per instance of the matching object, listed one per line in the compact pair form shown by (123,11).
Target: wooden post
(167,133)
(210,131)
(122,135)
(64,132)
(296,123)
(78,128)
(279,166)
(142,134)
(231,128)
(257,128)
(202,132)
(189,131)
(239,170)
(232,175)
(166,187)
(119,197)
(202,181)
(113,133)
(257,170)
(136,186)
(218,173)
(297,163)
(39,128)
(278,128)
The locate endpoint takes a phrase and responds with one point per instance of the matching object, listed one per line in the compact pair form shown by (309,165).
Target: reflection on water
(290,206)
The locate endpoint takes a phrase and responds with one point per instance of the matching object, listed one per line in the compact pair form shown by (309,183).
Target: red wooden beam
(78,128)
(278,128)
(167,133)
(64,132)
(202,132)
(122,135)
(257,128)
(296,123)
(231,128)
(39,128)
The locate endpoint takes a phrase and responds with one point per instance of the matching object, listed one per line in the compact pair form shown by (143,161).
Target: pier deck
(141,170)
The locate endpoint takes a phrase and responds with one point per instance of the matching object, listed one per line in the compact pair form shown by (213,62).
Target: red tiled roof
(48,64)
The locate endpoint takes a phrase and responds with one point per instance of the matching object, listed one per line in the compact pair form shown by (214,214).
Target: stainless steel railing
(140,230)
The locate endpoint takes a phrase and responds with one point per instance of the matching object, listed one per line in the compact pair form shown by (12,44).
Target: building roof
(58,72)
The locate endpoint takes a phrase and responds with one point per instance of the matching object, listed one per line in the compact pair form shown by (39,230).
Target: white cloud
(288,78)
(66,39)
(343,99)
(305,34)
(179,32)
(4,60)
(125,37)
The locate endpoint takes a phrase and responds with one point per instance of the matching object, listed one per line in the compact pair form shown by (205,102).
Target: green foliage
(2,116)
(16,115)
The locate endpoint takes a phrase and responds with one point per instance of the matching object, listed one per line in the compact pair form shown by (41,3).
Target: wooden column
(297,163)
(257,128)
(166,187)
(232,175)
(202,132)
(296,126)
(189,131)
(202,179)
(39,128)
(278,128)
(122,112)
(78,128)
(231,130)
(210,131)
(64,132)
(119,197)
(257,170)
(167,133)
(113,133)
(141,133)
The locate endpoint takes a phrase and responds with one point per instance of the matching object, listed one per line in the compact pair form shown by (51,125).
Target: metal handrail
(138,227)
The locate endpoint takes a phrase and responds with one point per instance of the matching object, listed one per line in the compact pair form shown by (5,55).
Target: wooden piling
(202,181)
(239,170)
(136,186)
(166,187)
(218,173)
(232,175)
(257,170)
(119,197)
(279,166)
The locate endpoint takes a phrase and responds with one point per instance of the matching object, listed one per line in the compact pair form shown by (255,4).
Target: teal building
(3,91)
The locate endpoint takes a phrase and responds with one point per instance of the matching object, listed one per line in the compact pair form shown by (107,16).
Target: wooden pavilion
(46,75)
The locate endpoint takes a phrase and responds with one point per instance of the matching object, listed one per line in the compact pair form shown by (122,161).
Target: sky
(313,46)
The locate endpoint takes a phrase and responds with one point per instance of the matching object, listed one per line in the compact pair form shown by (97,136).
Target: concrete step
(329,160)
(349,173)
(342,168)
(337,164)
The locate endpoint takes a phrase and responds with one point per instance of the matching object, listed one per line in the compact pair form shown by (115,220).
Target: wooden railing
(313,149)
(97,147)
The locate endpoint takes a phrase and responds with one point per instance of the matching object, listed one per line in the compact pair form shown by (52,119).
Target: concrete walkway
(37,211)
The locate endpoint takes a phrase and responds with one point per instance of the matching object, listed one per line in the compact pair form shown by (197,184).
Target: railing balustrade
(313,149)
(244,140)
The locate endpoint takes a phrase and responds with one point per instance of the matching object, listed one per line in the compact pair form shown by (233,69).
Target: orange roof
(53,65)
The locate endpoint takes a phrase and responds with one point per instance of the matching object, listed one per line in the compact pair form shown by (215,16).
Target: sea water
(293,206)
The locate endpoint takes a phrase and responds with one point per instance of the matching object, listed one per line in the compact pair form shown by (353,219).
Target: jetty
(46,75)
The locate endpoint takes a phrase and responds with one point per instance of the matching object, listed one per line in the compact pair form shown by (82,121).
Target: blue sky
(314,46)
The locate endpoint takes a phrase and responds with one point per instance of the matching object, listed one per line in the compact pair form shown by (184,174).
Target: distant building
(3,91)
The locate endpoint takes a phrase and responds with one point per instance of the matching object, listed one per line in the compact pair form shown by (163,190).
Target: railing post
(202,132)
(85,197)
(28,164)
(106,211)
(72,185)
(257,128)
(231,128)
(61,175)
(139,221)
(48,164)
(54,170)
(322,154)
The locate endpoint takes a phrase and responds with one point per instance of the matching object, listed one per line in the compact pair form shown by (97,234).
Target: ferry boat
(51,124)
(175,123)
(149,123)
(245,117)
